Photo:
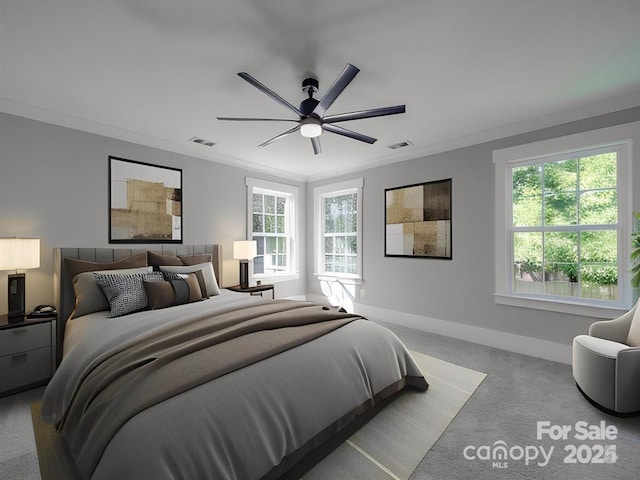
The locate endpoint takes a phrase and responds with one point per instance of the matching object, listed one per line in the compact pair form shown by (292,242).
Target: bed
(227,385)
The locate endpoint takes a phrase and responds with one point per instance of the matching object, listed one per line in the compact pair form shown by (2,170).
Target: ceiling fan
(312,120)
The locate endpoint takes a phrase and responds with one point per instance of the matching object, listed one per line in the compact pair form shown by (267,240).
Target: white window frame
(255,185)
(505,159)
(319,193)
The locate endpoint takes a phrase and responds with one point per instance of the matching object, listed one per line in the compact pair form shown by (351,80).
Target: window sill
(596,311)
(345,279)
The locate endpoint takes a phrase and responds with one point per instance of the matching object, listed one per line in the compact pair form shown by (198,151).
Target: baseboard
(535,347)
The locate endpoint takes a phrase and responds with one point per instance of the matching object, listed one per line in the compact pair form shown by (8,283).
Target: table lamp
(244,250)
(18,254)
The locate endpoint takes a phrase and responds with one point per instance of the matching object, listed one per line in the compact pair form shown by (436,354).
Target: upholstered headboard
(63,285)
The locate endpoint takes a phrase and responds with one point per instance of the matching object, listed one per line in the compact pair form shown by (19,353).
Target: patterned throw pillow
(125,291)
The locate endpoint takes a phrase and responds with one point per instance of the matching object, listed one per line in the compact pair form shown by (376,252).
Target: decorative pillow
(211,285)
(75,266)
(196,259)
(125,291)
(156,259)
(633,338)
(90,296)
(179,288)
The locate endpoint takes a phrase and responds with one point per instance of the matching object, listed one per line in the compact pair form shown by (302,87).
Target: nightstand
(257,290)
(27,353)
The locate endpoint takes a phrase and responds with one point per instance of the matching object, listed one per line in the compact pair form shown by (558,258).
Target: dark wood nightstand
(257,290)
(27,353)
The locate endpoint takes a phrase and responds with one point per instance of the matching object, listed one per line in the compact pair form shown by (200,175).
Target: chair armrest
(600,346)
(615,330)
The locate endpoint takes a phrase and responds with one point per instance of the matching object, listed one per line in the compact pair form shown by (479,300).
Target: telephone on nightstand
(42,311)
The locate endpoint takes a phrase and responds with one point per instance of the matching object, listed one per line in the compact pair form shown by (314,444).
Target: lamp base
(244,273)
(16,289)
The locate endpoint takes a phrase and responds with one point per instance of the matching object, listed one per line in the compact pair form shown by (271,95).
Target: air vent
(398,145)
(202,141)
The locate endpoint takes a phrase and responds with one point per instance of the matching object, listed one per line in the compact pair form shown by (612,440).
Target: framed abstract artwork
(145,202)
(418,220)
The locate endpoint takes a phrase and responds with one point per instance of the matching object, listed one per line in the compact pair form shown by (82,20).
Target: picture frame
(418,220)
(145,202)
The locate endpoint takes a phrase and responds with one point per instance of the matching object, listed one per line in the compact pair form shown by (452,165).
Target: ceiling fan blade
(315,142)
(242,119)
(279,137)
(374,112)
(329,127)
(269,93)
(336,89)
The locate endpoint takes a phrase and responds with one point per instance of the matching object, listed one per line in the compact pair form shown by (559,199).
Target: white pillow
(207,273)
(633,338)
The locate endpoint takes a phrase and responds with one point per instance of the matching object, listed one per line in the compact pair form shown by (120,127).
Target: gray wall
(459,290)
(54,186)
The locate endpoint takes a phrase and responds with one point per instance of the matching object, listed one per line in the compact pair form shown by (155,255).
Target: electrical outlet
(363,294)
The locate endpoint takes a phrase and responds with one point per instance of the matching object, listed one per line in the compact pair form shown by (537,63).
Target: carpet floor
(519,392)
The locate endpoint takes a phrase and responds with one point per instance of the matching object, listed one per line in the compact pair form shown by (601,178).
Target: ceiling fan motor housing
(309,86)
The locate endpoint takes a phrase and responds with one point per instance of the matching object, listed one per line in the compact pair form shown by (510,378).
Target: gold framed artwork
(418,220)
(145,202)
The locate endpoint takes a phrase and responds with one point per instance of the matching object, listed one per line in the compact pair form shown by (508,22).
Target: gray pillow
(125,291)
(90,296)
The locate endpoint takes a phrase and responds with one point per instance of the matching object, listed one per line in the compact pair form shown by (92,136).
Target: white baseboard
(535,347)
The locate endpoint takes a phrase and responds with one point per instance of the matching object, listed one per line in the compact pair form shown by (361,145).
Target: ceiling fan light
(311,128)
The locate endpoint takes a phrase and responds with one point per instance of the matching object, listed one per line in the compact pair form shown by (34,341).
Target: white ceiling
(160,72)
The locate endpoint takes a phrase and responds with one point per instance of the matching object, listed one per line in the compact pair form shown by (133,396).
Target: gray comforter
(241,425)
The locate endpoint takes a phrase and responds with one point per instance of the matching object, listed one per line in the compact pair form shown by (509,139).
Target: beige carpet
(389,447)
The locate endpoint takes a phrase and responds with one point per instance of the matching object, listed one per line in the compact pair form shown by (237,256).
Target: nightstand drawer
(22,339)
(24,368)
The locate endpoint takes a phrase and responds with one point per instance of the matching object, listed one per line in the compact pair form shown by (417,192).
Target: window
(338,209)
(564,238)
(272,224)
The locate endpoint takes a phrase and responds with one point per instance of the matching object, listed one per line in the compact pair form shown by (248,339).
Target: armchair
(606,364)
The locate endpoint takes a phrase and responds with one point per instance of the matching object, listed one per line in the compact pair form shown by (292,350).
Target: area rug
(389,447)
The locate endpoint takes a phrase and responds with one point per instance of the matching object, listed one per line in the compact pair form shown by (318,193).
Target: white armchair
(606,364)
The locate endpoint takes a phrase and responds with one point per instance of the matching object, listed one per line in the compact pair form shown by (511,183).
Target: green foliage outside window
(565,216)
(340,233)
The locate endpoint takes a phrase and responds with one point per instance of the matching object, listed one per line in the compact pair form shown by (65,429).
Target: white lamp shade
(19,253)
(245,249)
